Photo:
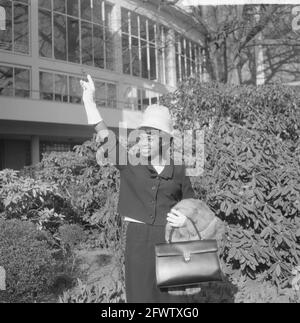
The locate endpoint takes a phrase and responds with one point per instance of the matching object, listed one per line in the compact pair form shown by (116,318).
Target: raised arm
(94,118)
(93,114)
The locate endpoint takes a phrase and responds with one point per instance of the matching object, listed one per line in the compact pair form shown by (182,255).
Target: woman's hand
(89,90)
(176,219)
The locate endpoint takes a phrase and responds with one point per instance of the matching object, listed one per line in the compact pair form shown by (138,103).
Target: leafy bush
(29,199)
(94,294)
(90,190)
(26,255)
(71,235)
(252,171)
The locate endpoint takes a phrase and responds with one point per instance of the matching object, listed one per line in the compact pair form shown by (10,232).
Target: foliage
(71,235)
(29,199)
(90,190)
(26,255)
(252,171)
(94,294)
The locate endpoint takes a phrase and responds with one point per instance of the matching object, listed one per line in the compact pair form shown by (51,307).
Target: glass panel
(182,44)
(131,97)
(22,83)
(97,12)
(72,8)
(151,25)
(101,98)
(109,45)
(45,34)
(6,81)
(99,46)
(125,21)
(108,13)
(73,40)
(188,54)
(45,4)
(21,31)
(145,73)
(140,100)
(152,63)
(183,67)
(87,43)
(61,88)
(60,34)
(178,76)
(154,98)
(143,26)
(136,71)
(46,86)
(134,24)
(146,98)
(126,54)
(75,90)
(112,96)
(86,10)
(59,5)
(6,35)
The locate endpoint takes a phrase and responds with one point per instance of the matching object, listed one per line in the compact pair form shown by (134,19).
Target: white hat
(158,117)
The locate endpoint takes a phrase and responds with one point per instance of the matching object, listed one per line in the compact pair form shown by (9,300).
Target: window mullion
(163,43)
(140,45)
(185,56)
(148,50)
(179,58)
(130,42)
(104,33)
(13,25)
(156,52)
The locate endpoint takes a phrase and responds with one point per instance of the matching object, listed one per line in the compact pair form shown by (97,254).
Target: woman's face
(149,144)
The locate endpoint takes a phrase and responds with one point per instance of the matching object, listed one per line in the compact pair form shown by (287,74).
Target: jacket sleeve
(187,189)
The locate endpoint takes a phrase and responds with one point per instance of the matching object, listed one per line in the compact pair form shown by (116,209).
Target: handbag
(187,263)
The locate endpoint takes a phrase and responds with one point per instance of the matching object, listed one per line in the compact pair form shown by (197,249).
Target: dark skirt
(140,276)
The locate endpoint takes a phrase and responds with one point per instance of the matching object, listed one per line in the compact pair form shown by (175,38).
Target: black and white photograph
(149,154)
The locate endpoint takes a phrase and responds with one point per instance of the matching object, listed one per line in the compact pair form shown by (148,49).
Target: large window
(14,81)
(15,37)
(139,99)
(48,147)
(139,45)
(77,31)
(64,88)
(188,56)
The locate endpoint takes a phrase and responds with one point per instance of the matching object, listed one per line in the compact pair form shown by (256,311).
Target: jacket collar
(167,173)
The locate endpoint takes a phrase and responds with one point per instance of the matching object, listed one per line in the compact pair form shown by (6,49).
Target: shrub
(25,253)
(94,294)
(71,235)
(30,199)
(252,171)
(90,190)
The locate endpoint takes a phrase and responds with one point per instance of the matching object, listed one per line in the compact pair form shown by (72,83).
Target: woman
(148,192)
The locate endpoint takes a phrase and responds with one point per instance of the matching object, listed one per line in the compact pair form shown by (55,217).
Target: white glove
(88,97)
(176,219)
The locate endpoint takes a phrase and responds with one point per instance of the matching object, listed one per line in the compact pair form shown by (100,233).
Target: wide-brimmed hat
(158,117)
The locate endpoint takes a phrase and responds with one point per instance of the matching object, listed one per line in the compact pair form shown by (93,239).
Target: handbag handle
(194,225)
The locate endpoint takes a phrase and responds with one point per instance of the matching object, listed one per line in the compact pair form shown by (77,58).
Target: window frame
(14,89)
(13,50)
(106,31)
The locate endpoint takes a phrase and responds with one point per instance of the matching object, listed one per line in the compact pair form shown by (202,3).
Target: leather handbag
(187,263)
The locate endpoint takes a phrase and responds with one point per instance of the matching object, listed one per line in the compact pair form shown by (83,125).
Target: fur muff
(208,225)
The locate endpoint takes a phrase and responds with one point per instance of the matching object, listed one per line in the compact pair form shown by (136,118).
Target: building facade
(136,51)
